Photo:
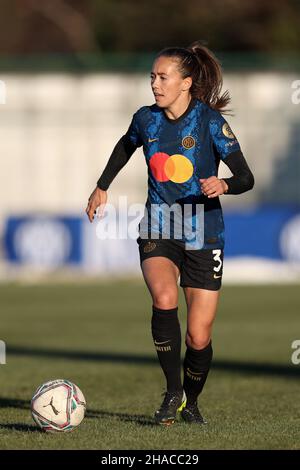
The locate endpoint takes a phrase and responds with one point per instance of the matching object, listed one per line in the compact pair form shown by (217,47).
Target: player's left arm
(227,146)
(242,178)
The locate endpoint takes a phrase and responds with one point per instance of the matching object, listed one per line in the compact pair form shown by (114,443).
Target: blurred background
(72,74)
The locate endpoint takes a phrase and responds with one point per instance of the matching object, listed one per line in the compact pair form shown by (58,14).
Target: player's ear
(187,83)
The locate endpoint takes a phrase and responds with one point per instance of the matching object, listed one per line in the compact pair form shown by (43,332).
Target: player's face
(166,82)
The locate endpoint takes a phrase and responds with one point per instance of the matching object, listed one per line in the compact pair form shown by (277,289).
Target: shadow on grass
(14,403)
(19,404)
(20,427)
(140,420)
(251,368)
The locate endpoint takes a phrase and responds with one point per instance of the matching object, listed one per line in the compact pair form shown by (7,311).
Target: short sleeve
(223,138)
(133,133)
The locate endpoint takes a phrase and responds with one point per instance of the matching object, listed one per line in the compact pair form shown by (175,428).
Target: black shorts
(198,268)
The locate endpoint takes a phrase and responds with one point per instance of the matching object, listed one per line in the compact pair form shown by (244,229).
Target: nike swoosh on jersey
(152,140)
(216,277)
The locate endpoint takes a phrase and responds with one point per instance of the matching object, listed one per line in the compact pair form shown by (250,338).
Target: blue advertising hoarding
(266,232)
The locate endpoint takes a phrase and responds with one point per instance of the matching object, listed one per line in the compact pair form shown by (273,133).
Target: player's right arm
(118,159)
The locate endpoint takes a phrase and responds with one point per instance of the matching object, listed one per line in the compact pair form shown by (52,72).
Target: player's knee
(197,340)
(165,300)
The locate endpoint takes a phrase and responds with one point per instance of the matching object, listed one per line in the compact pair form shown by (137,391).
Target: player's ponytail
(199,63)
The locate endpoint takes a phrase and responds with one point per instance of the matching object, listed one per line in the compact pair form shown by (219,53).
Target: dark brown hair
(199,63)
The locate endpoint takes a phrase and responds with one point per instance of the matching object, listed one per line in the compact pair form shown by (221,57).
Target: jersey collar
(186,112)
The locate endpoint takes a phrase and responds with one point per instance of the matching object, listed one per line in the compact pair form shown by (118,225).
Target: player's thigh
(202,269)
(202,307)
(161,276)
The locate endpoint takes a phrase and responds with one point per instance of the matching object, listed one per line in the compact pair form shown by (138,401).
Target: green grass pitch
(98,336)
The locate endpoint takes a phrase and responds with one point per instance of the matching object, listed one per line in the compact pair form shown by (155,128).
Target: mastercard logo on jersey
(176,168)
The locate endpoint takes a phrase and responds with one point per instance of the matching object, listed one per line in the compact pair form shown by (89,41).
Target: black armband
(119,157)
(242,179)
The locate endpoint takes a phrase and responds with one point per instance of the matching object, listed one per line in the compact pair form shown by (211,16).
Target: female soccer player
(184,136)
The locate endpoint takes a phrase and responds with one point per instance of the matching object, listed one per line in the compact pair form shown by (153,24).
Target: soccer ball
(58,406)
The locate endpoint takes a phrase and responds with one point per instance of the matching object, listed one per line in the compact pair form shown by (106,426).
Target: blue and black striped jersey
(178,153)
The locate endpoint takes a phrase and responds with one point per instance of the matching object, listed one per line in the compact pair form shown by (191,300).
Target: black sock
(196,367)
(167,341)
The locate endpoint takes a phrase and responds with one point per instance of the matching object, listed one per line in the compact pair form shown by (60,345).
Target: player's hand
(97,199)
(213,186)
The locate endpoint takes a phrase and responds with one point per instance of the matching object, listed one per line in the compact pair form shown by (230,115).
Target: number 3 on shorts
(217,257)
